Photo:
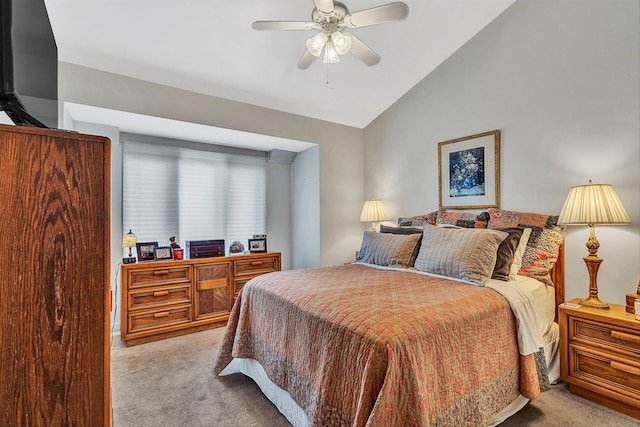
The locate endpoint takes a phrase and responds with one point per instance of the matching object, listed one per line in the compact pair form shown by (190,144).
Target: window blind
(192,194)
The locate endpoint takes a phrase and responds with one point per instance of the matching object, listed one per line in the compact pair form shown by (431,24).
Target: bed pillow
(463,253)
(544,242)
(405,231)
(386,249)
(462,219)
(506,253)
(517,256)
(418,220)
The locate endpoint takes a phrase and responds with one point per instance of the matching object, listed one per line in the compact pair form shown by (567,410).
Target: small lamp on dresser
(593,204)
(129,241)
(373,211)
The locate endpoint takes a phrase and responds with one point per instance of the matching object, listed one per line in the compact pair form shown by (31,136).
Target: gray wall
(305,192)
(560,79)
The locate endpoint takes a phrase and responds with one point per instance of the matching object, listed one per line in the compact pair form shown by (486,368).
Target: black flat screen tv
(28,64)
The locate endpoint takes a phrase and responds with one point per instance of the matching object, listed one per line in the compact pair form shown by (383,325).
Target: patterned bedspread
(360,346)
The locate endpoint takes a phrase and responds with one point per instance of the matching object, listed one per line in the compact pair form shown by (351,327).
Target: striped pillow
(392,250)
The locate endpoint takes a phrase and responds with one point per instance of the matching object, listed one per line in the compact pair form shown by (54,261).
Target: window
(192,194)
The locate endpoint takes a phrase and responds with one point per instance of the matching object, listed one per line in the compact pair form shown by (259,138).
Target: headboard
(557,277)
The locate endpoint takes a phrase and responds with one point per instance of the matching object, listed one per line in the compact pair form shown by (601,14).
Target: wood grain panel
(55,278)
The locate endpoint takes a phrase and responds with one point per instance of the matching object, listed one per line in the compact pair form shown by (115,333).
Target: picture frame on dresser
(163,252)
(469,171)
(257,246)
(146,251)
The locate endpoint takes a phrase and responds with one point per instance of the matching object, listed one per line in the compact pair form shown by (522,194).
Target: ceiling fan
(331,17)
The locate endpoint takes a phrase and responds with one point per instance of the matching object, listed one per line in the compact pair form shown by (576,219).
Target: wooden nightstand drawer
(159,276)
(156,297)
(603,335)
(256,266)
(600,355)
(605,369)
(139,322)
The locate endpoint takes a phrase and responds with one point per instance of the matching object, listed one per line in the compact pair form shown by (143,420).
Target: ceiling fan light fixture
(341,42)
(330,54)
(316,43)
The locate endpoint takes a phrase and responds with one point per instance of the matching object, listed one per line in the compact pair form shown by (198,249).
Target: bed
(416,332)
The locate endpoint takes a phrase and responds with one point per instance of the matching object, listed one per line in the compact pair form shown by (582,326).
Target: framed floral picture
(469,171)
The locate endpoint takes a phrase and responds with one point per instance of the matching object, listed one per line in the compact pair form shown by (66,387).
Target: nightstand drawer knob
(256,263)
(161,314)
(625,337)
(160,293)
(634,370)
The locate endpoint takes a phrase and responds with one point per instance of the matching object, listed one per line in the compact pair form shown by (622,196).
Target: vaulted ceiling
(208,46)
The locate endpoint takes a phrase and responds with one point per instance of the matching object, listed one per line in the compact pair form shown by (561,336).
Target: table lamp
(590,205)
(129,241)
(373,211)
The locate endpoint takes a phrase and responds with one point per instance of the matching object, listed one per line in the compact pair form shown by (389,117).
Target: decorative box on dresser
(54,288)
(600,356)
(162,299)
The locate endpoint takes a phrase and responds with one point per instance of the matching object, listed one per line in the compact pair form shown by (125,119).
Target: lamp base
(594,302)
(593,264)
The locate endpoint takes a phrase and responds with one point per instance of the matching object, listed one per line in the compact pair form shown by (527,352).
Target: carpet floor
(171,383)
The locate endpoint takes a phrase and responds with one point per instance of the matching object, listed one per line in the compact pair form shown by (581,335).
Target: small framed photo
(146,251)
(257,245)
(164,252)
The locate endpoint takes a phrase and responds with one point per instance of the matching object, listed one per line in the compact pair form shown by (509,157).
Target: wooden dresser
(600,356)
(54,291)
(162,299)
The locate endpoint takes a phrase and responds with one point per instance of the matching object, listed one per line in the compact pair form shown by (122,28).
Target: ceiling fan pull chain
(328,84)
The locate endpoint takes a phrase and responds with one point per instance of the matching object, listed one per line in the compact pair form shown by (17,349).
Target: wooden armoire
(54,278)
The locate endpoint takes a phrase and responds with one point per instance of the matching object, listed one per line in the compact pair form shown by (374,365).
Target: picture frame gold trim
(490,164)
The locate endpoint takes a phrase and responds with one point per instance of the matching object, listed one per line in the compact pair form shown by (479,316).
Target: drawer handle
(160,293)
(626,368)
(625,337)
(161,314)
(161,272)
(256,263)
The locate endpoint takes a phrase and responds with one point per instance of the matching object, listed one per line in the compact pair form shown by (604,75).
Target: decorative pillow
(463,219)
(462,253)
(517,257)
(506,252)
(388,249)
(545,239)
(418,220)
(405,231)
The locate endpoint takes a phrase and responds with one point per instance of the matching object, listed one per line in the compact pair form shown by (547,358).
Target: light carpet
(171,383)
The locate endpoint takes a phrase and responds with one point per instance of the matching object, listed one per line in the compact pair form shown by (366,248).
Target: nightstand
(600,356)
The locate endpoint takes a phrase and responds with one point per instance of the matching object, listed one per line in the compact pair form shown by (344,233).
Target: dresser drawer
(159,276)
(237,287)
(158,319)
(160,296)
(255,267)
(605,369)
(602,335)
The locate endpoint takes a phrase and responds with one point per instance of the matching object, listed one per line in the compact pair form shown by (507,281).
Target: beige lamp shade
(373,211)
(129,240)
(593,204)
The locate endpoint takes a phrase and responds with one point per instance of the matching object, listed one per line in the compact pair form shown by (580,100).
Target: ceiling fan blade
(283,25)
(325,6)
(307,59)
(377,15)
(362,51)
